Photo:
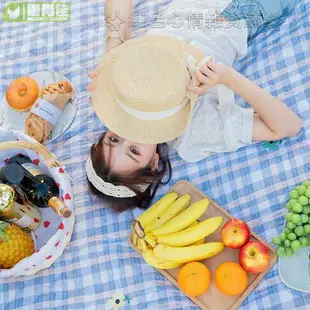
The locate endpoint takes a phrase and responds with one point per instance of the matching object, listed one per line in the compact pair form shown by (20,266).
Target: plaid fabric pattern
(253,183)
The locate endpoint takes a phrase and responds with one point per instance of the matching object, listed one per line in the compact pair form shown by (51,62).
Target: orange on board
(194,279)
(231,279)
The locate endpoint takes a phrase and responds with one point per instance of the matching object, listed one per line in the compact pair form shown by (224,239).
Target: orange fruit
(194,279)
(231,279)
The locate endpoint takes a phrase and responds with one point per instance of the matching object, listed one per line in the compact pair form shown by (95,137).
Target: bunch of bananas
(169,234)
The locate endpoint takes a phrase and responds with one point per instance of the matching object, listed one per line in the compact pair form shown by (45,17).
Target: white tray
(10,119)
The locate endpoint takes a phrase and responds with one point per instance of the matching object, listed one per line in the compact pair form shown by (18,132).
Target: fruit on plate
(134,238)
(150,240)
(15,245)
(176,237)
(202,240)
(176,208)
(152,260)
(189,253)
(297,231)
(142,245)
(191,234)
(254,257)
(230,279)
(22,93)
(155,210)
(183,220)
(194,279)
(235,233)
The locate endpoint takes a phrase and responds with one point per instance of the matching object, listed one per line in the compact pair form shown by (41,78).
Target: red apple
(254,257)
(235,233)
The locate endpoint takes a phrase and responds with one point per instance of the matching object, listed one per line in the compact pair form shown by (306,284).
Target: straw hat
(141,90)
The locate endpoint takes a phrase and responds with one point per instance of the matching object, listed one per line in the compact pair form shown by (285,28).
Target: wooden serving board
(213,299)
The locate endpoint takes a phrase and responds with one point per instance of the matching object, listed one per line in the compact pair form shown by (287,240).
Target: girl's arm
(273,119)
(118,14)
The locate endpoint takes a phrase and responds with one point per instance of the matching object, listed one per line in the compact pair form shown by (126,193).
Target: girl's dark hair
(132,181)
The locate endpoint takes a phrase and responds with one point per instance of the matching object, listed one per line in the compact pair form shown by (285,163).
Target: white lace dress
(217,124)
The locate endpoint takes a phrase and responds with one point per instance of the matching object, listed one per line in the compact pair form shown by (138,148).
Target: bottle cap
(59,207)
(66,213)
(13,173)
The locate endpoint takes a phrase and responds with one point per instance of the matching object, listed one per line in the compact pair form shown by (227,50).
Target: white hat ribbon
(152,116)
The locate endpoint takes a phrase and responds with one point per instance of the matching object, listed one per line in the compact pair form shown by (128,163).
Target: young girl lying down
(174,87)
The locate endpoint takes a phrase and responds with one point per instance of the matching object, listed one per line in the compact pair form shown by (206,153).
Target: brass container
(24,216)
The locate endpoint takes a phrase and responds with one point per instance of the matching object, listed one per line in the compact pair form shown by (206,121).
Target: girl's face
(125,156)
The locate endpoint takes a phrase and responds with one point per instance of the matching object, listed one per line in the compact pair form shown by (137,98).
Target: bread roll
(22,93)
(46,112)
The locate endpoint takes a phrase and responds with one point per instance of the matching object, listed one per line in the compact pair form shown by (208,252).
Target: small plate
(295,271)
(10,119)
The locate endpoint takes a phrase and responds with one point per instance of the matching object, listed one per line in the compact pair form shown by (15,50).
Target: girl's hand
(91,86)
(110,44)
(210,75)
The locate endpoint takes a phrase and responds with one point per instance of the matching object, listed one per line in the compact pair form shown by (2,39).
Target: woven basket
(54,232)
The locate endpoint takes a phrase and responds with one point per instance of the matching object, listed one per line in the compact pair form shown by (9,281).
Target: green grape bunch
(297,231)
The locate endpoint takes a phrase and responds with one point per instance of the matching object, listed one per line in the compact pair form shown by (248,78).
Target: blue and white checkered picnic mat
(252,184)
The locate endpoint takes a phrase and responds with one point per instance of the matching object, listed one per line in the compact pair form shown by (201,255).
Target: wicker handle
(48,158)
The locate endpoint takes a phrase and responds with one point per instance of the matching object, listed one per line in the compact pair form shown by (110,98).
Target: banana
(155,210)
(201,241)
(191,234)
(194,224)
(188,254)
(142,245)
(176,208)
(152,260)
(134,238)
(150,240)
(183,220)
